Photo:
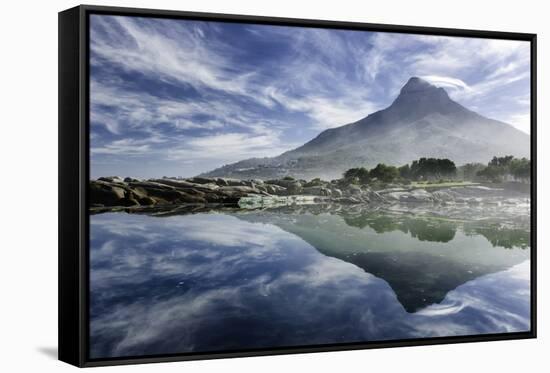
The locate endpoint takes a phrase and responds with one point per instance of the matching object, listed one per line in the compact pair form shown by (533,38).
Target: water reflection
(241,280)
(422,229)
(502,236)
(421,258)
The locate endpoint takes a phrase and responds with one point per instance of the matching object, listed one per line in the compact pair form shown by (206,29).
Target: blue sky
(176,98)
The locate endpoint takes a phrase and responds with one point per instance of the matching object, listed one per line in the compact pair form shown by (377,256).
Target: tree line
(443,168)
(499,168)
(421,169)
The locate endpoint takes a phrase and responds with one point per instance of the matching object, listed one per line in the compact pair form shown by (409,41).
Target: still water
(235,280)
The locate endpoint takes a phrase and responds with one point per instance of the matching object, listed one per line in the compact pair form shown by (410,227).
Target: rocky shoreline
(110,192)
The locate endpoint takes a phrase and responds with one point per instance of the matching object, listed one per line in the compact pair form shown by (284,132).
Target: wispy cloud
(209,93)
(231,147)
(447,82)
(177,55)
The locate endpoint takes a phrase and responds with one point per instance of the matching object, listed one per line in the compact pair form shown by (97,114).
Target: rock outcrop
(113,191)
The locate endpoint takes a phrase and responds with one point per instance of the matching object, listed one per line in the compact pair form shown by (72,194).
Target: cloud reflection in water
(211,282)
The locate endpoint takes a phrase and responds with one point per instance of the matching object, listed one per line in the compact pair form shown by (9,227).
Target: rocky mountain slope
(423,121)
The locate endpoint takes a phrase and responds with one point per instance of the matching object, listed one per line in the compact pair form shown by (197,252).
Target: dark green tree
(361,174)
(405,171)
(384,173)
(425,168)
(501,161)
(521,169)
(498,167)
(492,173)
(445,167)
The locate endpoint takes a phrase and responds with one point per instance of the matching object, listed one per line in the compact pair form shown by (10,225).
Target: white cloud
(156,118)
(128,146)
(180,56)
(231,147)
(326,112)
(325,79)
(447,82)
(142,110)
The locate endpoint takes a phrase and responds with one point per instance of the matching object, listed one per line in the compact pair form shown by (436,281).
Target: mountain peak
(419,86)
(422,121)
(416,84)
(419,98)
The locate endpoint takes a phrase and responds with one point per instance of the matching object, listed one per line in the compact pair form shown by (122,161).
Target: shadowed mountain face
(423,121)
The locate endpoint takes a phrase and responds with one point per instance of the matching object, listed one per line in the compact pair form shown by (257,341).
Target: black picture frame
(73,165)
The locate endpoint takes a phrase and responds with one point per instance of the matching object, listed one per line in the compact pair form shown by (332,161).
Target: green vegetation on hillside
(501,167)
(440,172)
(422,169)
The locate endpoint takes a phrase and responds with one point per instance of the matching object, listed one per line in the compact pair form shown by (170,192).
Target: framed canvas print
(238,185)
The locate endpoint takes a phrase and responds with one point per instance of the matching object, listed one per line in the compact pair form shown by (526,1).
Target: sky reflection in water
(210,282)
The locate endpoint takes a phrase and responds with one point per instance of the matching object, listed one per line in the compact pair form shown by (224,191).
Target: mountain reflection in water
(224,280)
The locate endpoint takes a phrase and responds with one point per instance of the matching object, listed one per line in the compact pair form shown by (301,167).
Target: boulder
(275,189)
(395,196)
(170,189)
(364,198)
(295,188)
(239,189)
(347,200)
(106,194)
(314,183)
(147,201)
(442,196)
(391,190)
(175,183)
(136,193)
(189,198)
(226,197)
(250,183)
(354,189)
(421,195)
(291,186)
(222,181)
(156,184)
(165,194)
(202,180)
(337,193)
(214,197)
(374,196)
(261,188)
(417,195)
(128,202)
(317,191)
(195,192)
(111,179)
